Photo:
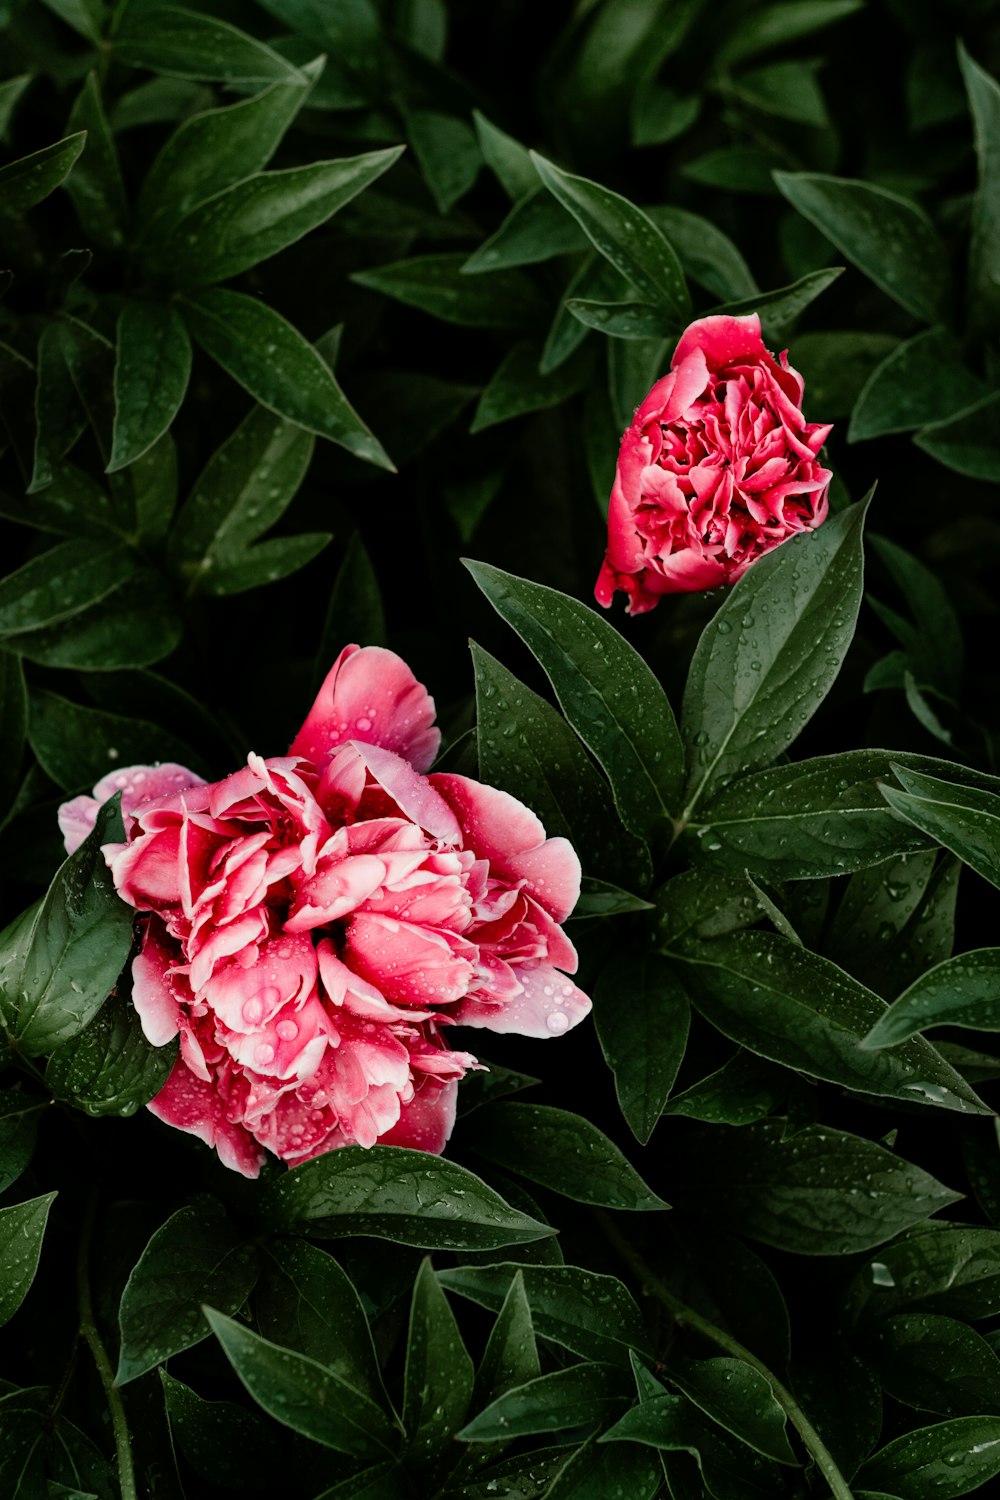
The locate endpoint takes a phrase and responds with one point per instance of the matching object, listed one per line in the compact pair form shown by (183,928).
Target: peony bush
(383,323)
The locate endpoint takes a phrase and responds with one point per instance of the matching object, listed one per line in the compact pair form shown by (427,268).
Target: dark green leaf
(740,1399)
(723,1279)
(224,1443)
(25,182)
(536,229)
(511,1356)
(604,688)
(769,656)
(76,948)
(439,1376)
(596,278)
(770,26)
(946,1460)
(195,1255)
(984,103)
(517,387)
(595,1473)
(703,903)
(256,218)
(151,377)
(210,151)
(134,626)
(624,235)
(745,1088)
(599,899)
(395,1194)
(561,1151)
(185,44)
(737,169)
(707,255)
(355,611)
(95,184)
(595,1316)
(936,1364)
(13,726)
(77,746)
(921,381)
(942,1268)
(436,285)
(507,159)
(447,152)
(794,1007)
(60,583)
(71,503)
(835,367)
(527,1476)
(21,1229)
(779,309)
(965,820)
(60,417)
(110,1068)
(726,1467)
(271,359)
(642,1016)
(18,1123)
(821,1192)
(968,441)
(633,365)
(962,991)
(301,1394)
(11,90)
(582,1395)
(621,320)
(907,904)
(889,238)
(528,749)
(789,90)
(265,563)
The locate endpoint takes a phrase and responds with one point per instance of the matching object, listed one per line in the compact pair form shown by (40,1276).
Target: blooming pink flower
(718,467)
(313,921)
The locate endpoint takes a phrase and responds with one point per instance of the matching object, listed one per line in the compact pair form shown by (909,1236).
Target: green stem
(91,1337)
(813,1443)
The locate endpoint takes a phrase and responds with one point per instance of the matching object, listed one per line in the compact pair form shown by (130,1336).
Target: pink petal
(426,1122)
(411,965)
(370,694)
(722,339)
(152,996)
(196,1107)
(412,793)
(549,1005)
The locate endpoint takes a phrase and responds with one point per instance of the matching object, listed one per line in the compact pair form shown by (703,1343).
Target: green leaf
(536,229)
(726,1467)
(95,184)
(935,1364)
(740,1399)
(435,284)
(18,1125)
(909,903)
(633,365)
(507,159)
(302,1395)
(968,441)
(770,655)
(600,899)
(447,152)
(642,1016)
(208,152)
(260,216)
(921,381)
(819,1192)
(604,688)
(184,44)
(25,182)
(196,1254)
(13,726)
(744,1089)
(269,358)
(355,610)
(984,104)
(728,1283)
(594,1316)
(701,903)
(511,1355)
(661,114)
(772,26)
(596,278)
(561,1151)
(245,487)
(962,991)
(737,169)
(624,235)
(265,563)
(21,1229)
(836,365)
(707,255)
(152,370)
(224,1443)
(395,1194)
(889,238)
(940,1268)
(60,583)
(965,820)
(76,948)
(11,90)
(789,90)
(76,746)
(305,1301)
(134,626)
(582,1395)
(794,1007)
(934,642)
(946,1460)
(60,417)
(620,320)
(110,1068)
(595,1473)
(527,748)
(779,309)
(437,1384)
(517,387)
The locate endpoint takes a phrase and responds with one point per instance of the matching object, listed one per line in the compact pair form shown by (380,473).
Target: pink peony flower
(718,467)
(314,921)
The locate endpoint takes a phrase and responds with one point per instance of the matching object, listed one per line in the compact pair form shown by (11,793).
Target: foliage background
(410,311)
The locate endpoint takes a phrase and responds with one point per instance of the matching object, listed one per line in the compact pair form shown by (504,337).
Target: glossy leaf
(962,991)
(517,388)
(511,1357)
(921,381)
(152,370)
(61,582)
(780,309)
(605,689)
(624,235)
(439,1376)
(507,159)
(965,820)
(22,1226)
(946,1460)
(183,43)
(436,285)
(888,237)
(771,653)
(707,255)
(95,184)
(561,1151)
(786,1003)
(740,1399)
(396,1194)
(197,1254)
(595,1473)
(25,182)
(744,1089)
(595,1316)
(940,1268)
(78,745)
(110,1068)
(984,103)
(19,1114)
(132,626)
(936,1364)
(580,1396)
(536,229)
(968,441)
(448,154)
(301,1394)
(271,359)
(224,1443)
(642,1015)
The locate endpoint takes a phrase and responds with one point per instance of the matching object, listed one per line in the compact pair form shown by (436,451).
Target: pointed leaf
(152,370)
(984,103)
(921,381)
(939,1268)
(935,1364)
(536,229)
(184,44)
(582,1395)
(21,1229)
(436,285)
(95,185)
(963,819)
(740,1399)
(224,1443)
(511,1355)
(110,1068)
(946,1460)
(642,1015)
(60,583)
(25,182)
(962,991)
(438,1380)
(968,441)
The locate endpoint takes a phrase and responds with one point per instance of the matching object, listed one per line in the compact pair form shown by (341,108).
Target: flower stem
(811,1440)
(91,1337)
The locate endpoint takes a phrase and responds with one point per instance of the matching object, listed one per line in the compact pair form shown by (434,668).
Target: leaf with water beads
(962,991)
(438,1379)
(964,819)
(582,1395)
(944,1461)
(941,1268)
(21,1229)
(935,1364)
